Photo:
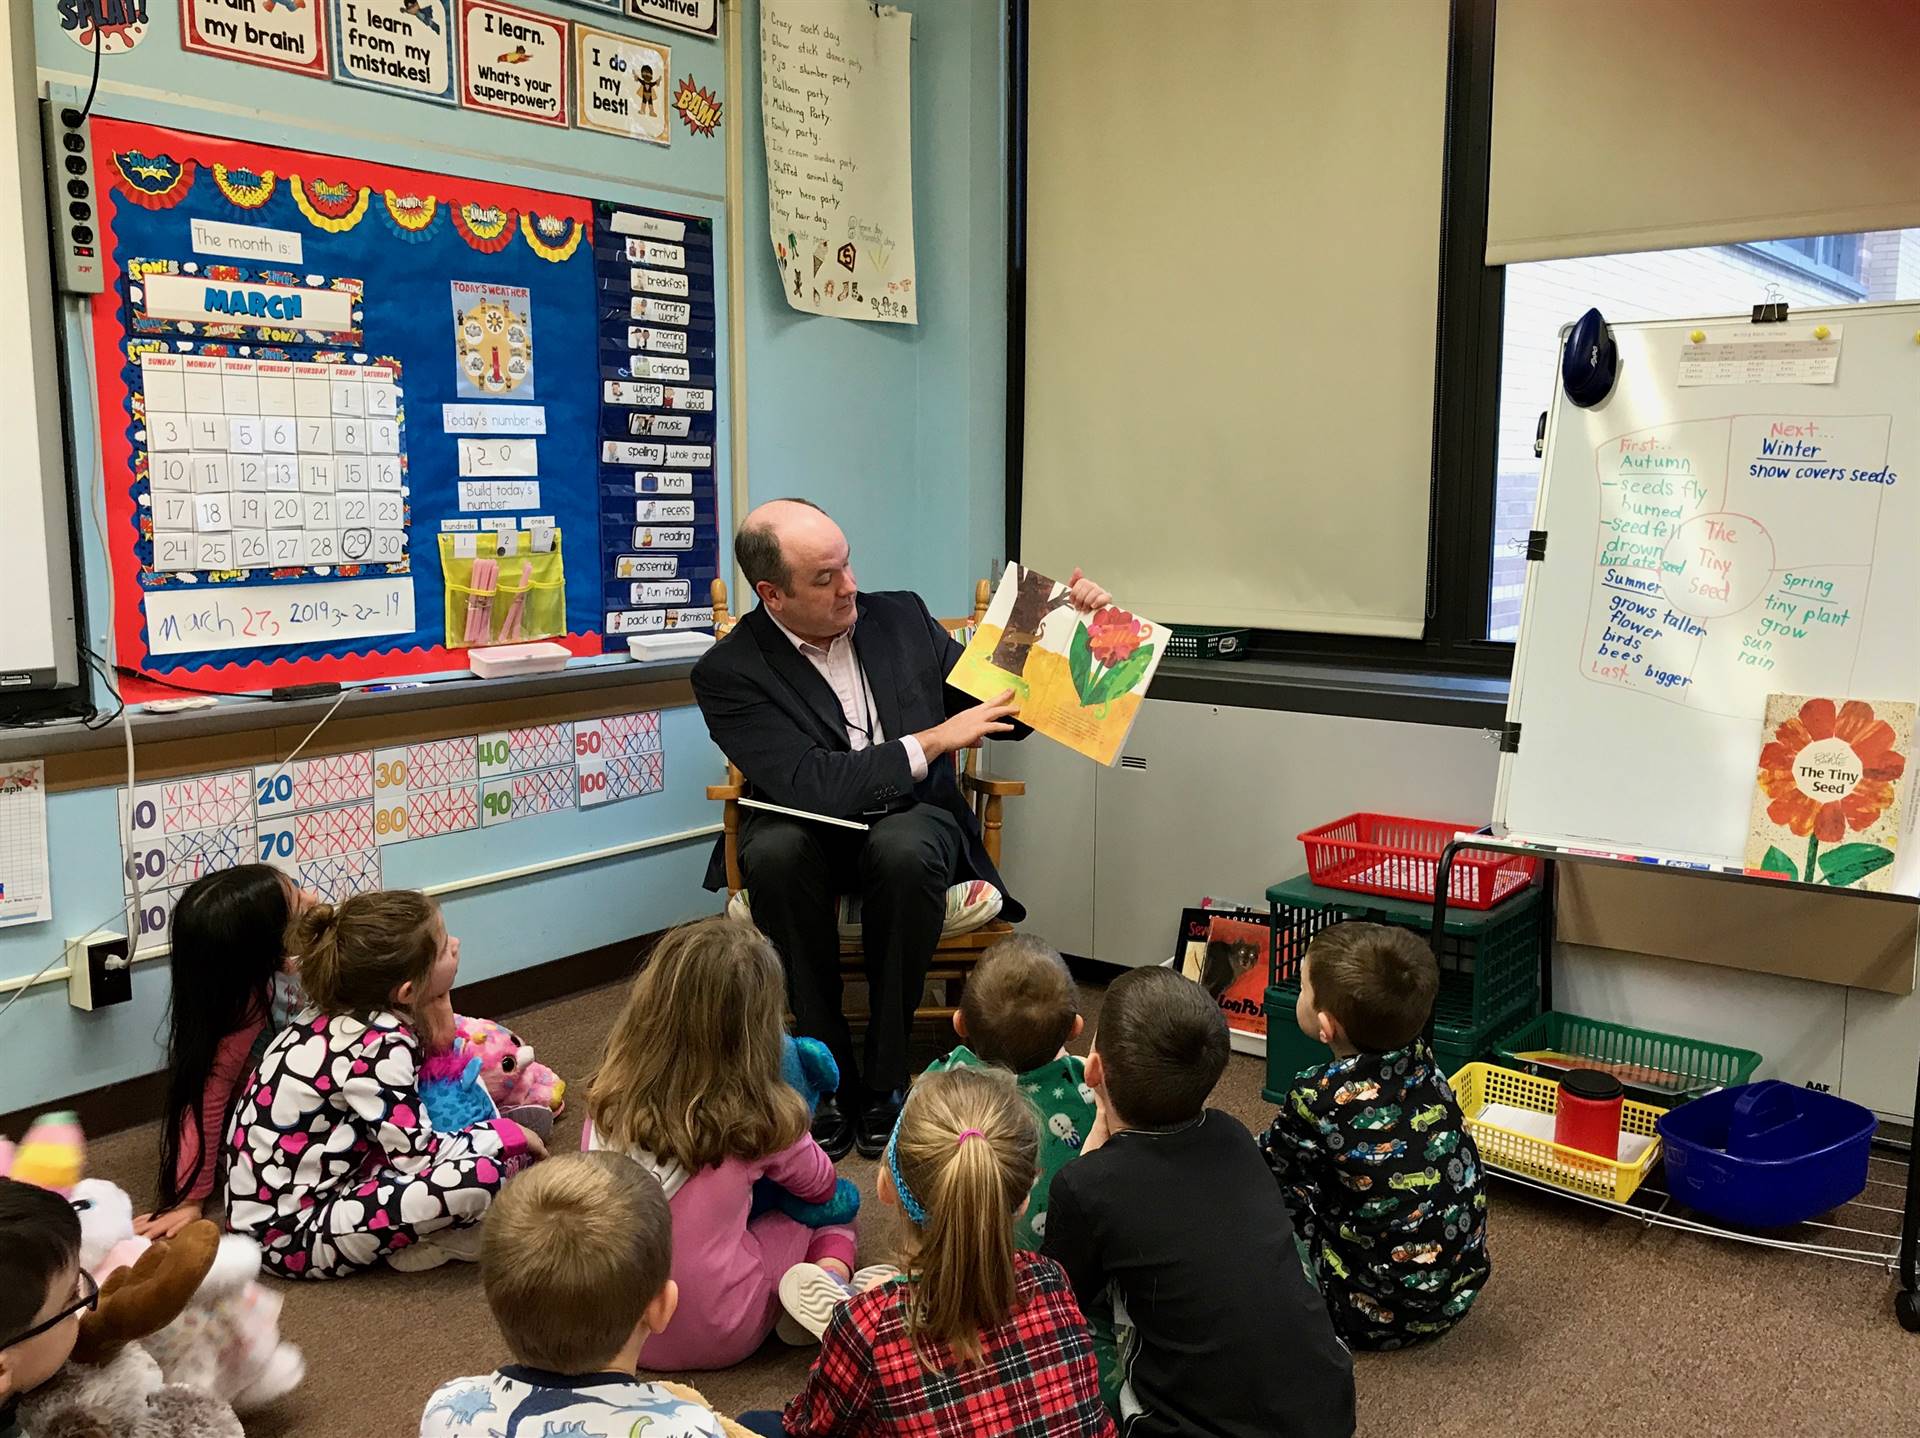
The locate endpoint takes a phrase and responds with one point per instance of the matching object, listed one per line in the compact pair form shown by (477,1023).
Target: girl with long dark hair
(229,947)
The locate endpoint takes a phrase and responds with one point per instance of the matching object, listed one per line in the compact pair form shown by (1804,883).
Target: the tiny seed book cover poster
(1078,678)
(1831,794)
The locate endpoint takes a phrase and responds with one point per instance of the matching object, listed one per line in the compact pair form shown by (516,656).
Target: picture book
(1224,950)
(1078,678)
(1831,793)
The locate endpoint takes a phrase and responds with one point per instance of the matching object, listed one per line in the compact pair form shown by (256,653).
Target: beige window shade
(1233,250)
(1659,124)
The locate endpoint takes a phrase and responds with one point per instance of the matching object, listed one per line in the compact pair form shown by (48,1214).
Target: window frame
(1466,380)
(1781,252)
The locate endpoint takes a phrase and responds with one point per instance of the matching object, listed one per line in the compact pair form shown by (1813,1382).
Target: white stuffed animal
(227,1341)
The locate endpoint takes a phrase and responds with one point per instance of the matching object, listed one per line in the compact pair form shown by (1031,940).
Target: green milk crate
(1489,970)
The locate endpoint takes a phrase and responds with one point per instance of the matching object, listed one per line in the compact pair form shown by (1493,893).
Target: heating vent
(1132,761)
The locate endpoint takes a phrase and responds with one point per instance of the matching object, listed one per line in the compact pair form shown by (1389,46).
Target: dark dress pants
(796,870)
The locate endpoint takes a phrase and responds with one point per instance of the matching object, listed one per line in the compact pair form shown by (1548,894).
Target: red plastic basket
(1386,854)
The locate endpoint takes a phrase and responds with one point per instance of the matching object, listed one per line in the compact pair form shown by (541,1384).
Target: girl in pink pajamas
(691,1088)
(331,1164)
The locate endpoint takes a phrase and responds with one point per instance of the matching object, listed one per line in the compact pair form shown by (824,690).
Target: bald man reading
(835,702)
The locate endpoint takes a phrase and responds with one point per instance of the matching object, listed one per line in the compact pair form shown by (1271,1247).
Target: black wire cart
(1859,1232)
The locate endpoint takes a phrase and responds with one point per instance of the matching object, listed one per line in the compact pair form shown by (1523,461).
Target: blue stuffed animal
(809,1068)
(450,1088)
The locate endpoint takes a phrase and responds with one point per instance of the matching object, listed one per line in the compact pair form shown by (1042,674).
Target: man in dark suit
(836,703)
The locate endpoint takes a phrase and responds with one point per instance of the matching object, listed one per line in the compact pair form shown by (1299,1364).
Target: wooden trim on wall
(166,758)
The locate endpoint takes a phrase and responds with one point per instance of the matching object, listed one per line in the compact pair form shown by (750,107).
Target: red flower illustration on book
(1113,635)
(1823,814)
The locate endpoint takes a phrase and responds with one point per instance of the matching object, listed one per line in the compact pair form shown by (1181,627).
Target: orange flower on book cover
(1831,790)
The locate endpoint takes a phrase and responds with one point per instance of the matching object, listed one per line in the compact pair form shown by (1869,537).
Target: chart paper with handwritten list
(837,123)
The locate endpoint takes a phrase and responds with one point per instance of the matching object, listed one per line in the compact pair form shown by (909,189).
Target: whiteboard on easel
(1736,519)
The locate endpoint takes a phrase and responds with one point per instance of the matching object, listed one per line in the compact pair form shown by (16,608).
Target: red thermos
(1586,1115)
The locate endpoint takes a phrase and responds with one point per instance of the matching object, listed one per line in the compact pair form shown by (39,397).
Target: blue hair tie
(909,1205)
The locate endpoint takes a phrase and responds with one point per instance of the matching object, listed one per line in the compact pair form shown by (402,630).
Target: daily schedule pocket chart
(659,497)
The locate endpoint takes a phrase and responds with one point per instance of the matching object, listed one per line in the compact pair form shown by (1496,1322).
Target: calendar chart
(310,367)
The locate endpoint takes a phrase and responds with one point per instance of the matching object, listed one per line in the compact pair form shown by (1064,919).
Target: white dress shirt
(840,667)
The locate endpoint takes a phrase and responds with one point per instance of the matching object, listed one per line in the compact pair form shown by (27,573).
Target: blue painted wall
(897,430)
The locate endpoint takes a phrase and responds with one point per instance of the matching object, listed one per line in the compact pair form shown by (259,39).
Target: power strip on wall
(72,195)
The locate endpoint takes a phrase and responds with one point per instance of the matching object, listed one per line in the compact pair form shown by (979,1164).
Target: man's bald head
(797,561)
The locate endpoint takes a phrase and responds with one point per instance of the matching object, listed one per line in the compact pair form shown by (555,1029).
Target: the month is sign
(280,35)
(513,62)
(622,85)
(400,45)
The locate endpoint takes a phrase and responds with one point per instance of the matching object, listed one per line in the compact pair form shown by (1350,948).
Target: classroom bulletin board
(356,418)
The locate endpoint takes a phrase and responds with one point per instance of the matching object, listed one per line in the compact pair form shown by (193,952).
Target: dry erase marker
(388,688)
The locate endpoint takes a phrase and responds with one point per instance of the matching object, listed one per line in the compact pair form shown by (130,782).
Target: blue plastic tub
(1766,1155)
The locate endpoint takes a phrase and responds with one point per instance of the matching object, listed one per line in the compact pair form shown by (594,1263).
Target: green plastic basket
(1489,970)
(1695,1067)
(1457,1041)
(1497,951)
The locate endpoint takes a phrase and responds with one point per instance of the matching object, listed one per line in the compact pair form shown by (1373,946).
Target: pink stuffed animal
(507,1067)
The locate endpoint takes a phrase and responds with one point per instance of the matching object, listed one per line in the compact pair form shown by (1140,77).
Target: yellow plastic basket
(1478,1085)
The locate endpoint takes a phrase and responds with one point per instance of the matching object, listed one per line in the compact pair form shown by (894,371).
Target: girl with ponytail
(976,1330)
(330,1155)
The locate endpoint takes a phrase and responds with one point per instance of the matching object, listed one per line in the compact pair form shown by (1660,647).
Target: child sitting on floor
(331,1163)
(575,1266)
(978,1337)
(1371,1151)
(1020,1010)
(43,1291)
(690,1087)
(228,955)
(1170,1221)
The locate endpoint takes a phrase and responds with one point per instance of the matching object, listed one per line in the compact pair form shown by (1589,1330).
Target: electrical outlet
(100,971)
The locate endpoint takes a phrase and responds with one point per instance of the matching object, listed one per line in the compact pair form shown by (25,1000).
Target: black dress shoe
(876,1122)
(832,1129)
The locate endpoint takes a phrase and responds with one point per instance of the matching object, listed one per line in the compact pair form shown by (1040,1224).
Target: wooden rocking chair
(956,954)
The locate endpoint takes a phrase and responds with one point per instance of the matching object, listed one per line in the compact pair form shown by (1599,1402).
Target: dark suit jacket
(778,720)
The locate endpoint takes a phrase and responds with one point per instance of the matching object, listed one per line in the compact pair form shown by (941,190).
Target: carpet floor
(1591,1321)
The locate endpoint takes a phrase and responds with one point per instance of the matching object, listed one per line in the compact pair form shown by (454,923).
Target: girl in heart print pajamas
(331,1163)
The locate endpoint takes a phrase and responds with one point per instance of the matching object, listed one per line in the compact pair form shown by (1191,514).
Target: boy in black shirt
(1170,1217)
